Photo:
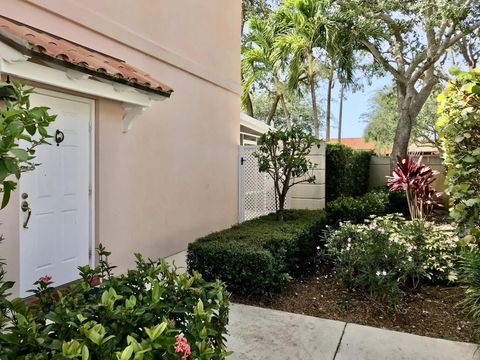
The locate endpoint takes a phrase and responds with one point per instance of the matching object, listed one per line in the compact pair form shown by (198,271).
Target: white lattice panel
(257,193)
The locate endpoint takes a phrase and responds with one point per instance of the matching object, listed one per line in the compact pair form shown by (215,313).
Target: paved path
(264,334)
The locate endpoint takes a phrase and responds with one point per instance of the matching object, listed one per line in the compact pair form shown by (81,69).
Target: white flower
(373,225)
(349,240)
(410,258)
(318,247)
(395,239)
(378,273)
(381,231)
(384,273)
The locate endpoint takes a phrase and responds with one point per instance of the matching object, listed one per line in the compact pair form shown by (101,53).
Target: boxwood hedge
(259,255)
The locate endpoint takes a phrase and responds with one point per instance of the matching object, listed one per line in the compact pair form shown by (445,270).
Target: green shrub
(387,254)
(470,276)
(397,203)
(149,313)
(258,256)
(347,171)
(459,125)
(356,210)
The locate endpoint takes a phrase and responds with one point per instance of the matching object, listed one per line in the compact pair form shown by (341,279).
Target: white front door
(56,239)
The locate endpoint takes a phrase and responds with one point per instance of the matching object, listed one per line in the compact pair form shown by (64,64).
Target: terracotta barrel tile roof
(35,42)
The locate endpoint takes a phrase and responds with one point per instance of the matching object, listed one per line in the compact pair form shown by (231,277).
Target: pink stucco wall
(173,176)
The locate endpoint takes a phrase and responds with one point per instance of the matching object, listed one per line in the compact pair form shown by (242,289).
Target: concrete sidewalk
(265,334)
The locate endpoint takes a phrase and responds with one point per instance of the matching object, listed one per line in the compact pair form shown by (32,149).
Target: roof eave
(60,62)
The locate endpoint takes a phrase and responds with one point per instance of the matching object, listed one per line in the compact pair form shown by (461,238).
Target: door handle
(26,208)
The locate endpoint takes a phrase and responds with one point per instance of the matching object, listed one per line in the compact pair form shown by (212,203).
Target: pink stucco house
(147,95)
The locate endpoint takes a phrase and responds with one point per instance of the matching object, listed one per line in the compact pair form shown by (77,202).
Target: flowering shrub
(149,313)
(387,254)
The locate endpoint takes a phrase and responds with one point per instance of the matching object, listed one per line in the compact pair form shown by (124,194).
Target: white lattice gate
(256,190)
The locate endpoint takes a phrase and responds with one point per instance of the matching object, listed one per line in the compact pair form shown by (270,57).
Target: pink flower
(181,346)
(46,278)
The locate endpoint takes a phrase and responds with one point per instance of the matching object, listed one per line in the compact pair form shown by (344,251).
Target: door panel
(57,239)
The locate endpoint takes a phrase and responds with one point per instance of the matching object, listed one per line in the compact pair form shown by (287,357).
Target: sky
(354,106)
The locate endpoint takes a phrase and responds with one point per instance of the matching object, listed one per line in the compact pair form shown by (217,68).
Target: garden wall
(311,196)
(380,168)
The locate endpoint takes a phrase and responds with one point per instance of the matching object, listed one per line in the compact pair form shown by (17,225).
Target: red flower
(46,278)
(181,346)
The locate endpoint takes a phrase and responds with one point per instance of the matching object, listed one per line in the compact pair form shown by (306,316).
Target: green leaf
(8,187)
(12,166)
(454,71)
(459,138)
(472,202)
(127,353)
(21,154)
(31,129)
(4,173)
(85,353)
(469,159)
(14,128)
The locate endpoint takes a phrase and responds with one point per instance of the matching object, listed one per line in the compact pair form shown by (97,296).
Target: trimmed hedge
(258,256)
(356,210)
(347,171)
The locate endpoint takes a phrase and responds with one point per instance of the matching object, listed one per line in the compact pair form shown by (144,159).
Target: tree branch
(381,59)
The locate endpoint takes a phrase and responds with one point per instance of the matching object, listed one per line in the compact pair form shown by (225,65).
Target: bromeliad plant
(416,180)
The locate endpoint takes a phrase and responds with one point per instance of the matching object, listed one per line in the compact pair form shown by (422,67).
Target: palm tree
(304,28)
(339,48)
(259,65)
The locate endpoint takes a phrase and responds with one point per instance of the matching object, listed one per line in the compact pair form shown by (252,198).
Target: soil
(429,310)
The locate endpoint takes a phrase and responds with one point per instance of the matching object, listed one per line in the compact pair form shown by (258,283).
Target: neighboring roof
(361,144)
(254,124)
(52,48)
(356,143)
(424,149)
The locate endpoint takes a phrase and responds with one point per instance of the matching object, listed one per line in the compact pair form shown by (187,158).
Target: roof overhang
(254,124)
(24,63)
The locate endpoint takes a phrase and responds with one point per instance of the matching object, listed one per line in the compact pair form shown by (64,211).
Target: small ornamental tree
(459,126)
(416,180)
(18,121)
(283,155)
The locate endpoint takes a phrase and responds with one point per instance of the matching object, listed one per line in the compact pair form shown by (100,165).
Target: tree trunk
(404,124)
(329,107)
(316,124)
(281,202)
(286,113)
(340,114)
(410,102)
(249,106)
(272,111)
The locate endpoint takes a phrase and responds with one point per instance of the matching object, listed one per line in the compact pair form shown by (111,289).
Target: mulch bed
(430,310)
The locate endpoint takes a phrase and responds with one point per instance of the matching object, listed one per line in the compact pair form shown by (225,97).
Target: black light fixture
(6,91)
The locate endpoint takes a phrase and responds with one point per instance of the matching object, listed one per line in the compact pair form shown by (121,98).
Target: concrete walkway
(264,334)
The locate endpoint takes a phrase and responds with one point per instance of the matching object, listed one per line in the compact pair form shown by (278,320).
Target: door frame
(92,160)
